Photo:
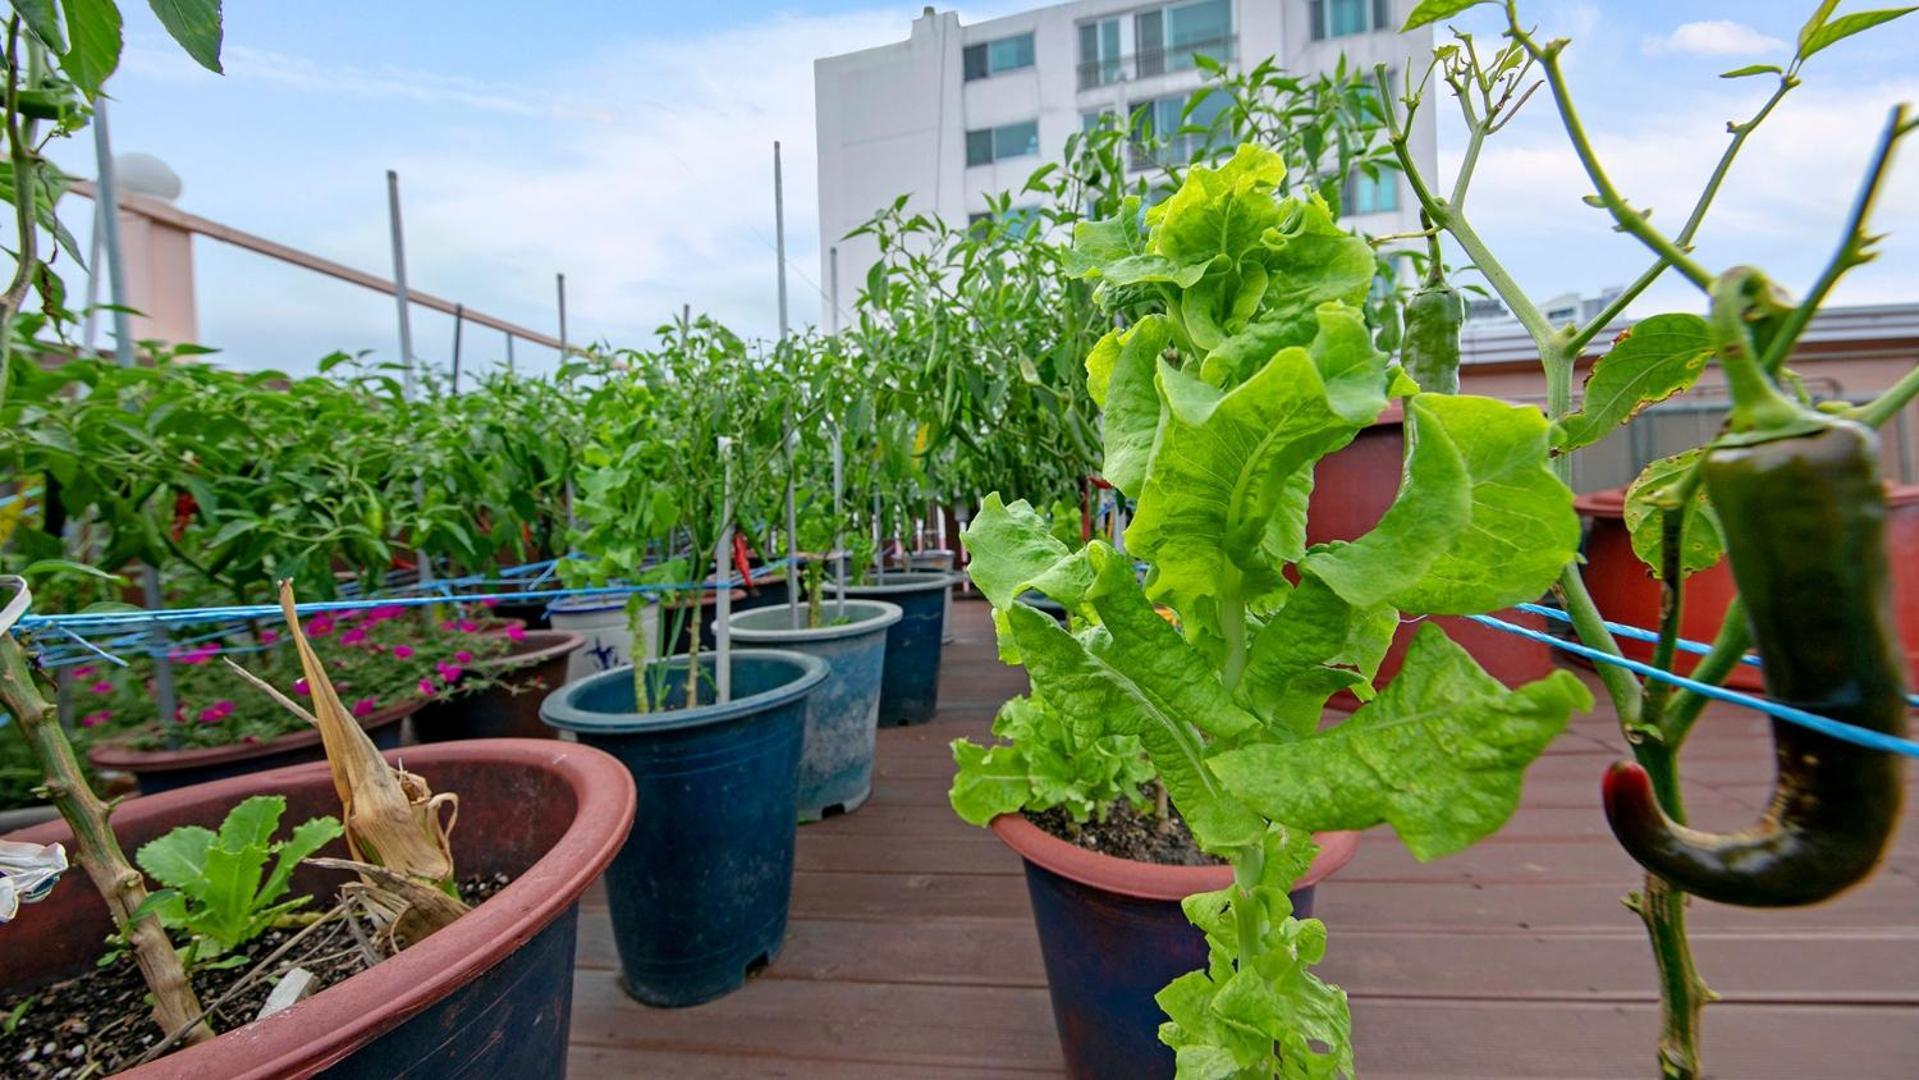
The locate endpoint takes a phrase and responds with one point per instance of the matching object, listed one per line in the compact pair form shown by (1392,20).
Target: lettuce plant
(1245,360)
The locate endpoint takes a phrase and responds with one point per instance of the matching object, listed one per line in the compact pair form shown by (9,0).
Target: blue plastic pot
(909,692)
(699,892)
(1112,935)
(836,766)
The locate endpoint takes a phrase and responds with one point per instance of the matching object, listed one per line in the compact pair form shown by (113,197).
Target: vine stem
(96,848)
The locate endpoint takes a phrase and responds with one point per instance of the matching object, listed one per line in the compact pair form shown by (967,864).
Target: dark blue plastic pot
(836,766)
(1112,935)
(699,893)
(909,693)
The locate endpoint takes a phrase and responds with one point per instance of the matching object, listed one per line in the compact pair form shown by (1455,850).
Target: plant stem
(26,180)
(1682,993)
(1728,649)
(1888,404)
(96,848)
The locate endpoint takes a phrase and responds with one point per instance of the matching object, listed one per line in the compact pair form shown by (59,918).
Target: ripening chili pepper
(1803,519)
(1429,344)
(184,507)
(742,558)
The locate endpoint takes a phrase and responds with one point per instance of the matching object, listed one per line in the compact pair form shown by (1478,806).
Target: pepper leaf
(1847,25)
(1660,357)
(195,24)
(1440,755)
(1429,11)
(93,36)
(1644,519)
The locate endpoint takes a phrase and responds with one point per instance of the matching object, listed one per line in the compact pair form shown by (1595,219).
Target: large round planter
(532,667)
(601,620)
(762,592)
(699,893)
(490,995)
(909,692)
(940,559)
(156,771)
(1626,592)
(1352,489)
(836,763)
(1112,935)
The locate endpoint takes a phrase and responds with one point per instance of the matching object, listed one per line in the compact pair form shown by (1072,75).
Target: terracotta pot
(1626,592)
(1112,934)
(509,709)
(490,995)
(1352,490)
(163,770)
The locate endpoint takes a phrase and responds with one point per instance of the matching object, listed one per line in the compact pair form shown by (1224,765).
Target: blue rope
(1872,740)
(1636,634)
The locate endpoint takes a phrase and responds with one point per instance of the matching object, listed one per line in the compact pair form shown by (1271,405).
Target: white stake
(839,526)
(406,334)
(723,603)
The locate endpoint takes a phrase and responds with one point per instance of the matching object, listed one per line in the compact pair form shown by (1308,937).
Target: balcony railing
(1146,65)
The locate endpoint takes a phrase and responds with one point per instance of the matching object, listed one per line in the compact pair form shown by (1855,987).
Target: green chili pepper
(1803,519)
(1429,346)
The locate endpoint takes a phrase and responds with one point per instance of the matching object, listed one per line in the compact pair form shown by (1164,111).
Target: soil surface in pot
(1129,834)
(99,1023)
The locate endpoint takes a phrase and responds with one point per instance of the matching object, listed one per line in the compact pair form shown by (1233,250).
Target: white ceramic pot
(601,620)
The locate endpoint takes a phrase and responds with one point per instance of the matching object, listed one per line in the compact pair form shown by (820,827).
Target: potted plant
(1221,660)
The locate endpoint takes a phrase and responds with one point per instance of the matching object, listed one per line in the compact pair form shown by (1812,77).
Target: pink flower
(84,671)
(209,715)
(468,626)
(385,612)
(515,633)
(463,657)
(268,637)
(402,652)
(349,616)
(353,636)
(301,688)
(95,719)
(197,655)
(491,601)
(365,707)
(450,673)
(249,738)
(319,626)
(427,687)
(449,624)
(104,686)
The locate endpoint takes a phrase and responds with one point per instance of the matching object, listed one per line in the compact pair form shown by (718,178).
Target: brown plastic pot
(1626,592)
(156,771)
(490,995)
(510,708)
(1352,490)
(1112,935)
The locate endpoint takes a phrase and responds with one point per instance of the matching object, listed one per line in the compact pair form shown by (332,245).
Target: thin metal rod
(839,525)
(88,330)
(786,421)
(109,232)
(399,280)
(833,288)
(509,353)
(723,602)
(779,233)
(459,321)
(559,286)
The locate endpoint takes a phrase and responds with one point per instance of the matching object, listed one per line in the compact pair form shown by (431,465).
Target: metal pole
(839,525)
(786,422)
(723,603)
(559,285)
(459,320)
(109,232)
(833,288)
(509,353)
(406,335)
(779,233)
(92,323)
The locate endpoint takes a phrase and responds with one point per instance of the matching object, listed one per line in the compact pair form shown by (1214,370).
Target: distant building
(955,113)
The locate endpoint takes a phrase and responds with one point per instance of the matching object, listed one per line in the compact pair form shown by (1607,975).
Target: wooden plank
(622,1063)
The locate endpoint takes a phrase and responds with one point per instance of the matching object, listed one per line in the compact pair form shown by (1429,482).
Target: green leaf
(252,823)
(1010,550)
(988,782)
(1120,375)
(308,837)
(1221,512)
(1440,755)
(1429,11)
(1223,211)
(1355,372)
(93,35)
(1703,542)
(195,24)
(1315,646)
(1113,252)
(1818,19)
(1431,512)
(1522,528)
(230,878)
(177,858)
(1752,69)
(1846,26)
(1312,260)
(43,19)
(1081,684)
(1660,357)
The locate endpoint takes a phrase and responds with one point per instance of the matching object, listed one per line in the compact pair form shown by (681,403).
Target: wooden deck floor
(911,951)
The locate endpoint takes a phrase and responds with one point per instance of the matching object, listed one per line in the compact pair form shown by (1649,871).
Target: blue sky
(629,145)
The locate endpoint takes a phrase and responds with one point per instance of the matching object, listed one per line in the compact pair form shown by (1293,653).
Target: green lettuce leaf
(1222,211)
(1439,755)
(1120,372)
(1315,646)
(1011,549)
(1043,765)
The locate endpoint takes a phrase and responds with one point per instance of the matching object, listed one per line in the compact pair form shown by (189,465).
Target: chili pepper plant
(1789,493)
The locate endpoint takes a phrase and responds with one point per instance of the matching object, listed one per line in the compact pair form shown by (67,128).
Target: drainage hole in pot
(759,964)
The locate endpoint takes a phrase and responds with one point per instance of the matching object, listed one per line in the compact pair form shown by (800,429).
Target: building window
(1166,134)
(987,145)
(1099,59)
(992,57)
(1166,38)
(1371,194)
(1338,18)
(1089,121)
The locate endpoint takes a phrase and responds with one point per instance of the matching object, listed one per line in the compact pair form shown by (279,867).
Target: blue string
(1636,634)
(1872,740)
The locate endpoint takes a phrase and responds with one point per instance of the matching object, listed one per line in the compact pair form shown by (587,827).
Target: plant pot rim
(1149,881)
(559,710)
(545,645)
(117,755)
(323,1029)
(898,582)
(707,599)
(879,615)
(593,605)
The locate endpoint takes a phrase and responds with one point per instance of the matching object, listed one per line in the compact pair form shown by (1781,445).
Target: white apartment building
(955,113)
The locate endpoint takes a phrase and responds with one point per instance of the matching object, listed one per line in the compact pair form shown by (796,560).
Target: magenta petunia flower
(491,601)
(96,718)
(366,706)
(353,636)
(385,612)
(84,671)
(468,626)
(449,673)
(463,657)
(104,686)
(210,715)
(426,686)
(402,652)
(516,633)
(301,688)
(319,626)
(268,637)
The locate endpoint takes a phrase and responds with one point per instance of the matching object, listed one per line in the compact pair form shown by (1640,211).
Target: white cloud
(1712,37)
